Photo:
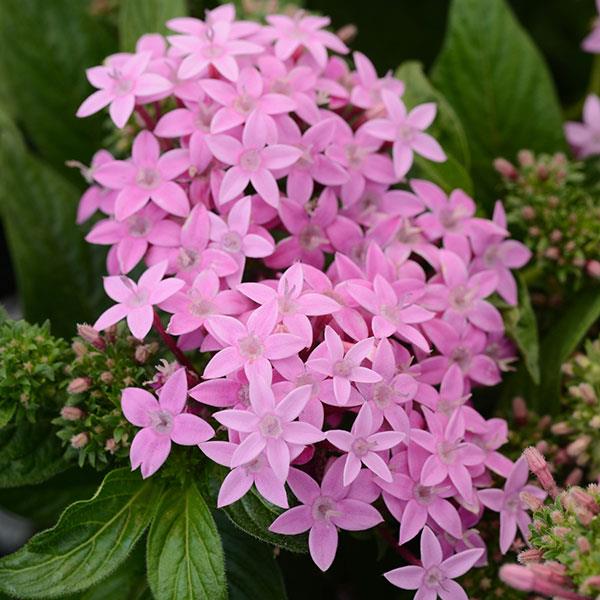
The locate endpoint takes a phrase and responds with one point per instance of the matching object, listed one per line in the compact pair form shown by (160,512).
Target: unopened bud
(595,422)
(80,440)
(528,213)
(539,467)
(578,446)
(106,377)
(79,385)
(593,268)
(583,545)
(588,393)
(592,582)
(552,572)
(524,579)
(526,158)
(71,413)
(347,33)
(519,409)
(530,556)
(142,353)
(553,201)
(561,428)
(110,445)
(79,348)
(583,499)
(506,168)
(574,477)
(552,253)
(90,335)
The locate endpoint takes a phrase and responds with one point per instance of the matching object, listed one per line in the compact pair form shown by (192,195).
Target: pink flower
(252,161)
(148,176)
(95,197)
(301,31)
(251,346)
(133,236)
(240,101)
(343,367)
(513,511)
(367,91)
(592,42)
(405,130)
(196,305)
(324,509)
(119,84)
(212,45)
(270,426)
(450,455)
(435,577)
(362,445)
(584,138)
(294,304)
(135,301)
(466,293)
(239,480)
(163,421)
(313,165)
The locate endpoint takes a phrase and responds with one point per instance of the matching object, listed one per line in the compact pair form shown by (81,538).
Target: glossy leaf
(91,539)
(185,556)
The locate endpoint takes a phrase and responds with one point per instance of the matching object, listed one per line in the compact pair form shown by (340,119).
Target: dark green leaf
(58,273)
(45,48)
(252,571)
(561,342)
(91,539)
(137,17)
(447,128)
(498,84)
(29,454)
(185,556)
(521,326)
(254,515)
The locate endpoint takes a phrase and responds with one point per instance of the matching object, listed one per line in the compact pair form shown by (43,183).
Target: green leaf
(562,340)
(185,556)
(30,453)
(58,273)
(6,413)
(44,49)
(449,175)
(254,515)
(447,128)
(521,326)
(252,571)
(497,82)
(137,17)
(91,539)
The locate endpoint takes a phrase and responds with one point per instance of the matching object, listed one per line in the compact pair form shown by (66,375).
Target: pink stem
(405,553)
(145,116)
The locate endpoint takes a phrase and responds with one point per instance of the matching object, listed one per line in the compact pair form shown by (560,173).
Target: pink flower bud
(520,578)
(519,409)
(588,393)
(506,169)
(578,446)
(106,377)
(80,440)
(539,467)
(526,158)
(71,413)
(79,385)
(528,213)
(529,556)
(561,428)
(574,477)
(90,335)
(110,445)
(593,268)
(583,545)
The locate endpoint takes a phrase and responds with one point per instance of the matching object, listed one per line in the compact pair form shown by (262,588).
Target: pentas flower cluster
(346,319)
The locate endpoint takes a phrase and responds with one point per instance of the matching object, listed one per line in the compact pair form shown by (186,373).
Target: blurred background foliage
(44,49)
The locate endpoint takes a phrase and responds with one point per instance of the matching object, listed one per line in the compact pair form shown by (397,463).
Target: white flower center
(251,347)
(147,178)
(250,160)
(270,426)
(161,421)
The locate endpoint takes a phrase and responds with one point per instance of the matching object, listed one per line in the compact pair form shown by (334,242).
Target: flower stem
(182,359)
(405,553)
(145,116)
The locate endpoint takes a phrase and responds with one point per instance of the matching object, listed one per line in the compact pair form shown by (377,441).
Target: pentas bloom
(592,42)
(584,137)
(335,318)
(163,421)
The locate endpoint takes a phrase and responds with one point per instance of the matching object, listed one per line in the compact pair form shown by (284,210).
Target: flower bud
(574,477)
(506,168)
(110,445)
(106,377)
(528,213)
(539,467)
(593,268)
(561,428)
(90,335)
(588,393)
(529,556)
(79,385)
(578,446)
(519,409)
(526,158)
(583,544)
(80,440)
(71,413)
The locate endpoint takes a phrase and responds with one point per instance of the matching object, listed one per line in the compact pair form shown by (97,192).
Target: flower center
(361,447)
(383,395)
(270,426)
(250,160)
(147,178)
(231,242)
(390,312)
(281,86)
(461,297)
(138,226)
(513,503)
(255,465)
(140,298)
(447,451)
(251,347)
(324,508)
(213,51)
(354,155)
(187,258)
(161,421)
(433,577)
(342,368)
(244,395)
(406,133)
(311,237)
(201,307)
(287,306)
(461,356)
(244,104)
(423,494)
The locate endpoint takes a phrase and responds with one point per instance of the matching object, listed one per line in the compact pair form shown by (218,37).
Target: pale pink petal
(190,430)
(294,521)
(234,486)
(322,543)
(136,405)
(173,394)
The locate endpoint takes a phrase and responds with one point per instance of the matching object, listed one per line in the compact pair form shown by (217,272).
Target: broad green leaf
(184,555)
(6,413)
(45,48)
(447,128)
(254,515)
(91,539)
(30,453)
(44,503)
(137,17)
(58,273)
(449,175)
(497,82)
(252,571)
(521,326)
(562,340)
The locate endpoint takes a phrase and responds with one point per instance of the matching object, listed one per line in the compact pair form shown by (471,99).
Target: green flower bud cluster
(581,399)
(552,207)
(91,423)
(32,377)
(565,538)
